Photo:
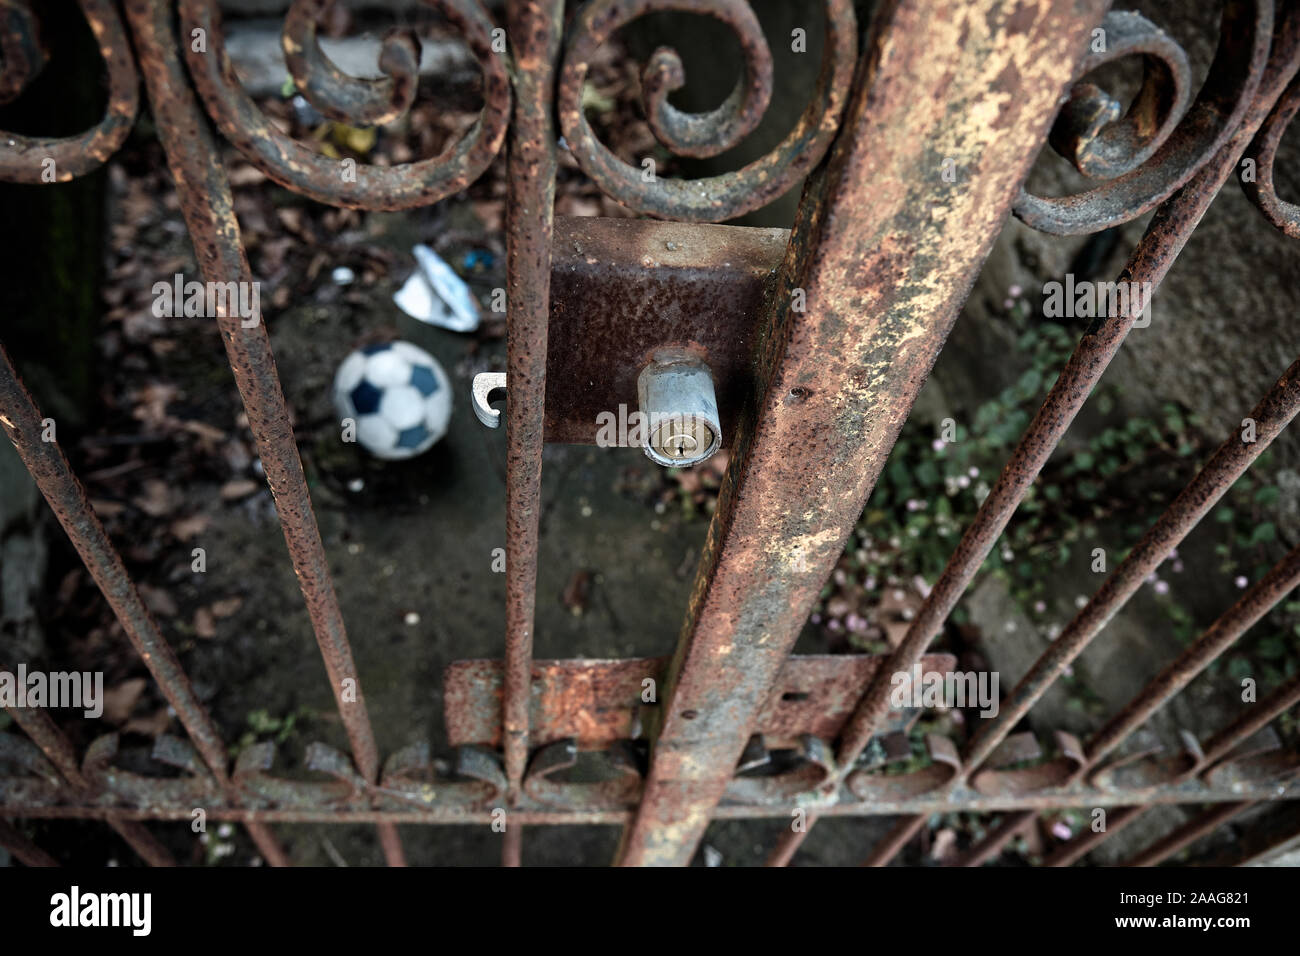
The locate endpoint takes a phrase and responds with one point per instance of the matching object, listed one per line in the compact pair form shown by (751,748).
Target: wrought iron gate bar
(534,26)
(24,850)
(37,799)
(208,207)
(1188,833)
(811,403)
(1269,72)
(885,259)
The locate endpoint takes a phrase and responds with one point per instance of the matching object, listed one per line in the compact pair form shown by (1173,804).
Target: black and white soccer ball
(398,396)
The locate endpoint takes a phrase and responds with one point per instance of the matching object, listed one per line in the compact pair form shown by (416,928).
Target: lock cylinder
(679,410)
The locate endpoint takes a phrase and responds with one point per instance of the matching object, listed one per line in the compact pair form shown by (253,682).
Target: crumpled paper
(436,295)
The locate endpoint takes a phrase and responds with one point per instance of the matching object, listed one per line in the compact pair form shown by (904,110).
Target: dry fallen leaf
(204,430)
(156,498)
(205,625)
(151,726)
(226,606)
(158,601)
(239,488)
(945,844)
(120,699)
(185,528)
(107,509)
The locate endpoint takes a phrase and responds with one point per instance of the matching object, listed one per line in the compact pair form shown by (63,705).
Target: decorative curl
(335,94)
(354,101)
(25,159)
(1259,186)
(713,198)
(1157,147)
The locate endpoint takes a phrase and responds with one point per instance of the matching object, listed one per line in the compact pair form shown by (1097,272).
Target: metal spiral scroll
(352,100)
(713,198)
(1161,142)
(23,159)
(1282,214)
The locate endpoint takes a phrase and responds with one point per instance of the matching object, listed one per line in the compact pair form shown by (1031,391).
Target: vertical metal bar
(37,725)
(534,28)
(66,497)
(24,850)
(1228,463)
(1087,841)
(1188,833)
(894,841)
(996,840)
(144,843)
(1283,578)
(884,255)
(1165,237)
(1282,699)
(55,745)
(208,207)
(1277,832)
(512,851)
(786,847)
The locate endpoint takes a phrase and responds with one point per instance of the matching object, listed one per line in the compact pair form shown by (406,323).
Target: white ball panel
(387,368)
(437,412)
(376,435)
(402,407)
(350,372)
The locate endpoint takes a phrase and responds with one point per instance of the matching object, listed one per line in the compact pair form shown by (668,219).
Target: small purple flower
(974,472)
(1178,567)
(1015,290)
(937,444)
(1162,587)
(1241,581)
(856,623)
(963,481)
(1061,830)
(1040,606)
(1008,303)
(834,624)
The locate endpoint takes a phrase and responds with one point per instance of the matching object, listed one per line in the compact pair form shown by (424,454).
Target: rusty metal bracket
(597,703)
(624,289)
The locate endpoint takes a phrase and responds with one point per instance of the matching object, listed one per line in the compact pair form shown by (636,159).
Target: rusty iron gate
(819,338)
